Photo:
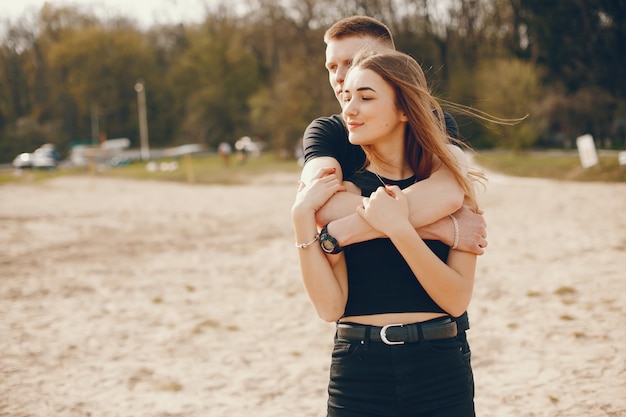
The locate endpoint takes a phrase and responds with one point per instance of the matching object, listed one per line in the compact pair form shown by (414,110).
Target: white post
(143,120)
(587,151)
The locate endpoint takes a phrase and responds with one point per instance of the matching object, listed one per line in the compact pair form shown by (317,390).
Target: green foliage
(509,89)
(580,42)
(579,45)
(68,76)
(282,112)
(100,67)
(214,78)
(589,110)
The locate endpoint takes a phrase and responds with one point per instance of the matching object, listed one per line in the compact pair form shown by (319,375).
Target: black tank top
(379,279)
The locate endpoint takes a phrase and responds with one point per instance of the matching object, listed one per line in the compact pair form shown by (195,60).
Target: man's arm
(311,167)
(428,214)
(429,200)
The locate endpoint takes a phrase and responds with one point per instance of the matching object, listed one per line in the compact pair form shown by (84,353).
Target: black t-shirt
(379,279)
(328,136)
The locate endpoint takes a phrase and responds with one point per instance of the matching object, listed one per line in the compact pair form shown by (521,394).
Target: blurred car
(45,157)
(23,160)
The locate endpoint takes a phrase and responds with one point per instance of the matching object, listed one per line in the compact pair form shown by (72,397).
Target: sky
(145,12)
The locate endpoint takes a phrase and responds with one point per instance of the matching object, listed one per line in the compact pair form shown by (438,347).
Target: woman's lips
(353,125)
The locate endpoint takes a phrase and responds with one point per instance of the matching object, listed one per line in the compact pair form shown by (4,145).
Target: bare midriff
(392,318)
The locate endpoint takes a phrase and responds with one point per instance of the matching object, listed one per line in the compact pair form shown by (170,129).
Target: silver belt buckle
(383,334)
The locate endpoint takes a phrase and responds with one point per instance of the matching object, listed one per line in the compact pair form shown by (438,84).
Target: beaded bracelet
(456,231)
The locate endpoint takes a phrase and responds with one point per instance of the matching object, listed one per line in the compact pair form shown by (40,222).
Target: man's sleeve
(451,126)
(321,139)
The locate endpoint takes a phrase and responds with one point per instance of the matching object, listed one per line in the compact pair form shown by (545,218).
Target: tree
(213,80)
(579,42)
(510,89)
(100,67)
(290,47)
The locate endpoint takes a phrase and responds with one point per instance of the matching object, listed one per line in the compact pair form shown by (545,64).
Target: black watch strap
(328,243)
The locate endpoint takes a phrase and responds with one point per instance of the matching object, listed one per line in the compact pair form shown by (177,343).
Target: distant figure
(225,150)
(243,146)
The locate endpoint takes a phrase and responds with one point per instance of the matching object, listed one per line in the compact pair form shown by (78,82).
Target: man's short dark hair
(363,26)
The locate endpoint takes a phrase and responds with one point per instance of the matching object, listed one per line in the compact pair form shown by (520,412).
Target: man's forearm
(352,229)
(427,203)
(348,227)
(340,205)
(339,213)
(434,198)
(429,200)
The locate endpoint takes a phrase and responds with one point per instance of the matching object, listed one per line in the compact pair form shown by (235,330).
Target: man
(326,145)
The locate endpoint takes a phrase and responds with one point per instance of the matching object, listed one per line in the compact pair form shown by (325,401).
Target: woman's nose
(349,108)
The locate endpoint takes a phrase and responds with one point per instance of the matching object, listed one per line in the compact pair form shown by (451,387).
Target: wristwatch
(328,243)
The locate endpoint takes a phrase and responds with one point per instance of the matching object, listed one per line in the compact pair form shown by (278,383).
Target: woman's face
(369,109)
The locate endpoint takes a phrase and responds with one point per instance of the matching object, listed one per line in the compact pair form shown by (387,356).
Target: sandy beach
(139,298)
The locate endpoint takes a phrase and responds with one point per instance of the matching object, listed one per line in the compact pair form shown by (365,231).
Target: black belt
(462,322)
(398,334)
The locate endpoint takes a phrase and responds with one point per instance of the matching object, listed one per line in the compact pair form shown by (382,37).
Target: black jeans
(423,379)
(467,355)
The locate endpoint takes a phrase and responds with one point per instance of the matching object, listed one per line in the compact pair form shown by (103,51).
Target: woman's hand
(386,210)
(324,184)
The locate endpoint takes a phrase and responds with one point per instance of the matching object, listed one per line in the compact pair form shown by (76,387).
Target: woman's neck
(392,171)
(388,160)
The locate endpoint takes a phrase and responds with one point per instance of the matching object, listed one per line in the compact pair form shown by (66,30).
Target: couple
(396,274)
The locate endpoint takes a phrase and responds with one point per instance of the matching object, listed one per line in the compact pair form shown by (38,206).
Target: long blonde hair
(425,135)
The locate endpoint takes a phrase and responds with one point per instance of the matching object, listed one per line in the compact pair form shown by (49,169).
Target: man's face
(339,54)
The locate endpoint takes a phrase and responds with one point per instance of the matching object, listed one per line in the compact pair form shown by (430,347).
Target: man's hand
(472,231)
(324,184)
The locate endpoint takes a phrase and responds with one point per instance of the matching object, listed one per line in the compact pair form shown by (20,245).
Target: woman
(396,351)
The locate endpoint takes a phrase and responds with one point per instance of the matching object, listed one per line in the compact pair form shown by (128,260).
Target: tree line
(67,76)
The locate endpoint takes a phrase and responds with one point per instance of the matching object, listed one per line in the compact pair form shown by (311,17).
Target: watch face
(327,245)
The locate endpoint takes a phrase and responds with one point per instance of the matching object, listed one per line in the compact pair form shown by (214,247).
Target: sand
(140,298)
